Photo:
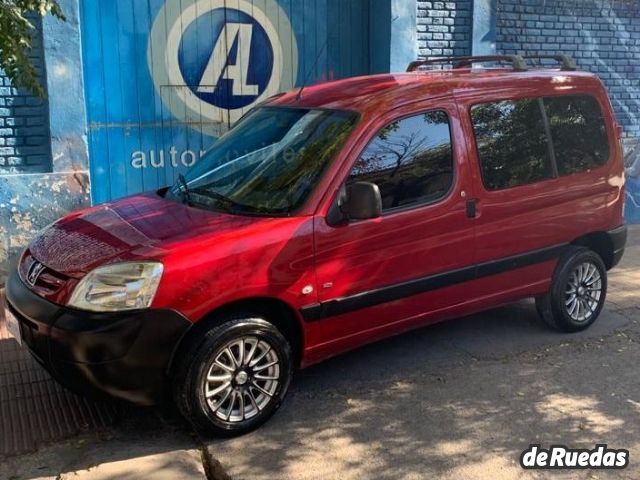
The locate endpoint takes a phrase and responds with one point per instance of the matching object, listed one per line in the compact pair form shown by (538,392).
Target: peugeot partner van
(327,218)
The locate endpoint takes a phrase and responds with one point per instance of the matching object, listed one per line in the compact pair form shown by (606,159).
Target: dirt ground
(461,399)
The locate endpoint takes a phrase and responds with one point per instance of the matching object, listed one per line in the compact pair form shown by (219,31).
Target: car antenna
(313,67)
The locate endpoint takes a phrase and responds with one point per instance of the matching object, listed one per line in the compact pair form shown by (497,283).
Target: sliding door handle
(472,208)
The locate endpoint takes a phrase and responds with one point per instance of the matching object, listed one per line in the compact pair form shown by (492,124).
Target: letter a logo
(219,65)
(213,62)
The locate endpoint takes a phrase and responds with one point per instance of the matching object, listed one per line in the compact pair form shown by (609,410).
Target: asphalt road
(456,401)
(460,399)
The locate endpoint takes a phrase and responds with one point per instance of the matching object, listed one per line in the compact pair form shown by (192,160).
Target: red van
(329,217)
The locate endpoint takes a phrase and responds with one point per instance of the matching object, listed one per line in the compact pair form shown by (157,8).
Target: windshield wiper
(183,188)
(226,202)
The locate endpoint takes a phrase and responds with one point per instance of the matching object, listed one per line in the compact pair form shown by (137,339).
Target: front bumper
(618,238)
(124,354)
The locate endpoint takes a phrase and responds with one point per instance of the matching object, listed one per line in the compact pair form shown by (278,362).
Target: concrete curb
(171,465)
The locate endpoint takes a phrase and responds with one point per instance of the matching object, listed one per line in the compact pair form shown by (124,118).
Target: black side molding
(421,285)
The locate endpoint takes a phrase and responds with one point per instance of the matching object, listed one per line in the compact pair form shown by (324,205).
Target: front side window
(410,160)
(269,163)
(578,131)
(512,143)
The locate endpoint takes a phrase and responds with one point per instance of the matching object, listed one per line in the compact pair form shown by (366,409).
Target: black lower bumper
(124,355)
(618,239)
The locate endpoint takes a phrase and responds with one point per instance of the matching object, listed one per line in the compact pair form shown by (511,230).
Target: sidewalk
(140,446)
(34,409)
(77,438)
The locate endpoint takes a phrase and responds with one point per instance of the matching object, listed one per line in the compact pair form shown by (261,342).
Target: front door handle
(472,208)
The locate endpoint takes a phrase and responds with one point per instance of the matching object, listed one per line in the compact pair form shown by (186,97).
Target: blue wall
(50,177)
(156,72)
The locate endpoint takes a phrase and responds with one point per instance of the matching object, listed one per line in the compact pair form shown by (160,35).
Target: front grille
(49,281)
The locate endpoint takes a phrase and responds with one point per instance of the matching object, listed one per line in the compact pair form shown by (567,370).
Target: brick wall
(444,28)
(602,36)
(24,122)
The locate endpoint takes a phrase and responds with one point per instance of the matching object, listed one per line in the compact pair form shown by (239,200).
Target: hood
(142,226)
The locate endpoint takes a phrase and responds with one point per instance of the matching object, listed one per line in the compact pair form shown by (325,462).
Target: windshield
(268,163)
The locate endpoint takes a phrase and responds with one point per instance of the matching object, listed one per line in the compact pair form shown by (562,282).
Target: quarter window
(410,160)
(512,143)
(578,131)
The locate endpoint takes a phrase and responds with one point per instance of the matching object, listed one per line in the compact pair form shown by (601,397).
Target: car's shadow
(425,402)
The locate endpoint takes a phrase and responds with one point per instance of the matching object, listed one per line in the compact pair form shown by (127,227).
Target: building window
(410,160)
(512,143)
(578,131)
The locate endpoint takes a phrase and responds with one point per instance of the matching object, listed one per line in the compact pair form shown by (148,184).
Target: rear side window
(410,160)
(512,143)
(578,131)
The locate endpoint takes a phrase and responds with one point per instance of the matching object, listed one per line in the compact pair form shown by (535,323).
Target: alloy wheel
(242,379)
(583,292)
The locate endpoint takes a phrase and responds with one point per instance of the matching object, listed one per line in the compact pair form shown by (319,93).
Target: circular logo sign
(233,65)
(212,60)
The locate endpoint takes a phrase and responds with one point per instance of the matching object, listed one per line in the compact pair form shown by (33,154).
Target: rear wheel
(577,292)
(236,378)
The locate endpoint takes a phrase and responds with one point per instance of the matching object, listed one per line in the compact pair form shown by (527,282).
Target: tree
(16,39)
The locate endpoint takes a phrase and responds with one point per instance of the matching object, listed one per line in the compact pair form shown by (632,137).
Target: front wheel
(577,292)
(236,378)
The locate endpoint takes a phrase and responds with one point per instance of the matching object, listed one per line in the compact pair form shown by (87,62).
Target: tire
(577,293)
(225,393)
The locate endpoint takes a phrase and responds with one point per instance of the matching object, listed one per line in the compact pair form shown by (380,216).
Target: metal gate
(164,78)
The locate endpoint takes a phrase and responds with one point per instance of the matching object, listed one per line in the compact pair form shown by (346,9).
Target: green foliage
(16,39)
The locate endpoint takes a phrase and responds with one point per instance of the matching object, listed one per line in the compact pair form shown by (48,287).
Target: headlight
(120,286)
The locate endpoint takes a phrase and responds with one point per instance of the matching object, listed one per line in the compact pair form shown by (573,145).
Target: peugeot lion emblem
(34,272)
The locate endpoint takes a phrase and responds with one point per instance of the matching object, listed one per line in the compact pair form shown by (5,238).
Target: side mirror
(363,201)
(358,201)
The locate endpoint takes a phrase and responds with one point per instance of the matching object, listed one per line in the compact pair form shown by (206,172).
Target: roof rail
(565,61)
(517,62)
